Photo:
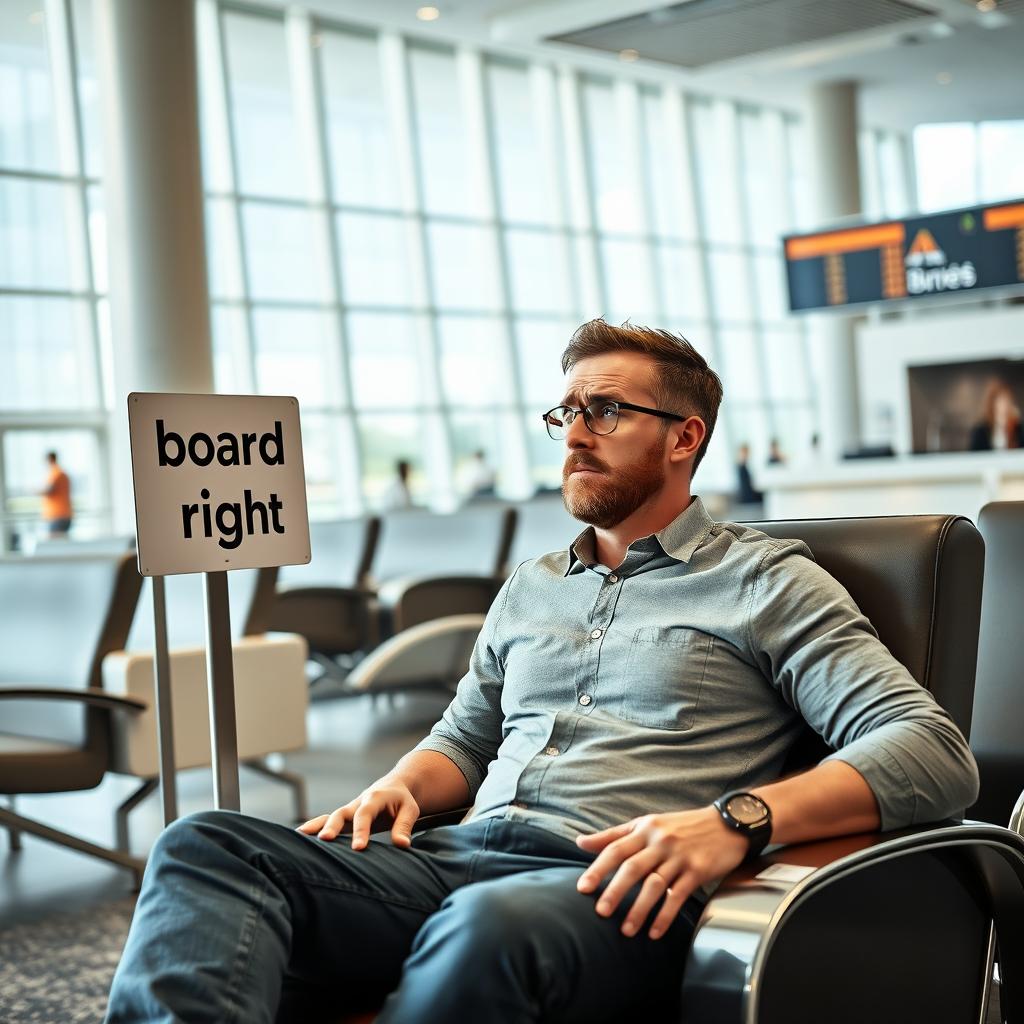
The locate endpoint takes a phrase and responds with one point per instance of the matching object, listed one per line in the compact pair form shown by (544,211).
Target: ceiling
(916,60)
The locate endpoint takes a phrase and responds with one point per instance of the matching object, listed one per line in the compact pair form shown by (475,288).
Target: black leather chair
(430,566)
(997,730)
(425,566)
(61,617)
(885,926)
(330,600)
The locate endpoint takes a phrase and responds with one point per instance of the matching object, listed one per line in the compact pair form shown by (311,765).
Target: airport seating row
(375,578)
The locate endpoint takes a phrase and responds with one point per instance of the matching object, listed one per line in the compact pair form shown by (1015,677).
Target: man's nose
(577,435)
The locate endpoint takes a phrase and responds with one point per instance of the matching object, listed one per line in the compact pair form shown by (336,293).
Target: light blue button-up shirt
(595,696)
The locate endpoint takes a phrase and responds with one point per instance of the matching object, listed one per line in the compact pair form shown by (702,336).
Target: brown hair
(996,387)
(682,381)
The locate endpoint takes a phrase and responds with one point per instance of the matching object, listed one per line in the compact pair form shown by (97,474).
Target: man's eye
(607,412)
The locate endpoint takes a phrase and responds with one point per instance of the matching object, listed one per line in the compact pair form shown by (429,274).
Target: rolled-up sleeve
(826,660)
(470,730)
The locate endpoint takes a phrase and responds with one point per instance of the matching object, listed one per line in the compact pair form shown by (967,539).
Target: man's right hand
(386,796)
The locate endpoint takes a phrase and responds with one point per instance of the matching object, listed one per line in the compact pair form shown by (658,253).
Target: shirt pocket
(664,675)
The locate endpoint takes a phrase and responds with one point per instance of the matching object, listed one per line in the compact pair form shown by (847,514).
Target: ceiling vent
(702,32)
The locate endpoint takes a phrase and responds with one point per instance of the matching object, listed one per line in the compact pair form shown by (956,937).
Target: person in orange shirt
(57,499)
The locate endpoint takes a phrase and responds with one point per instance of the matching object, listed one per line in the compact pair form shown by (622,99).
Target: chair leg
(13,833)
(125,808)
(9,819)
(292,779)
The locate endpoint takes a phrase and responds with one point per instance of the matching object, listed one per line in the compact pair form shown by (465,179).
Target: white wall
(886,349)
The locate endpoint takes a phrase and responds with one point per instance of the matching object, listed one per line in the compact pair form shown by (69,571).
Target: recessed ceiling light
(428,13)
(942,29)
(986,5)
(629,54)
(943,78)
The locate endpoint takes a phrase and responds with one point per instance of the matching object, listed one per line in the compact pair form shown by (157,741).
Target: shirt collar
(679,540)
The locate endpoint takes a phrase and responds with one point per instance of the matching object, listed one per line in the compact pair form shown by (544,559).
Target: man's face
(607,477)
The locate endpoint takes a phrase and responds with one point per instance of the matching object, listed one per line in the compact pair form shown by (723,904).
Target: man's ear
(687,438)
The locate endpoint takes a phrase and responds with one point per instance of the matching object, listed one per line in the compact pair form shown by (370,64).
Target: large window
(404,236)
(52,392)
(959,164)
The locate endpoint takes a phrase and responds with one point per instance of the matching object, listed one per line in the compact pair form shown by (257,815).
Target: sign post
(219,485)
(164,714)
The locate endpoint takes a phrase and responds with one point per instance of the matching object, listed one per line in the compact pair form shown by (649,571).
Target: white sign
(219,482)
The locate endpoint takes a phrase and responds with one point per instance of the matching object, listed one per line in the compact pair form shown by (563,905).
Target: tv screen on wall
(956,407)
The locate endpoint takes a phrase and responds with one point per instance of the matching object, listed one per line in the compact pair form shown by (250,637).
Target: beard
(604,501)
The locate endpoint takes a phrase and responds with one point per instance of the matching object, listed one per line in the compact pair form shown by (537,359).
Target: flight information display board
(962,250)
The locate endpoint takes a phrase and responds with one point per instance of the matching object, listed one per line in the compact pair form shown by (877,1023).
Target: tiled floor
(351,743)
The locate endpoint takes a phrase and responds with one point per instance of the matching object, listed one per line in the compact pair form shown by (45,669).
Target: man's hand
(386,796)
(672,855)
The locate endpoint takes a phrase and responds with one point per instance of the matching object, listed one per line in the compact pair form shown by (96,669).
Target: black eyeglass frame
(587,415)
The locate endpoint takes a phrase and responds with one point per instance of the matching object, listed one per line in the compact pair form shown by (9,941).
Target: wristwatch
(749,815)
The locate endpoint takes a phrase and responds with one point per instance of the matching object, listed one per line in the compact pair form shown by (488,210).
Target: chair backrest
(471,542)
(250,599)
(918,580)
(543,525)
(61,617)
(997,731)
(342,551)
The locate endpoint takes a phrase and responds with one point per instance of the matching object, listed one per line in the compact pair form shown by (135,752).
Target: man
(56,498)
(616,691)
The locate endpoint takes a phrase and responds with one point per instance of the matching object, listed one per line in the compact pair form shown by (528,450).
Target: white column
(159,299)
(835,178)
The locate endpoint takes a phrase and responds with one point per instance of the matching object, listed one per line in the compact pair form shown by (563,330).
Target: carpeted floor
(58,971)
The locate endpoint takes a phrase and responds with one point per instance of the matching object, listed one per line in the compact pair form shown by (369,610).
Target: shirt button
(585,699)
(612,578)
(596,634)
(552,751)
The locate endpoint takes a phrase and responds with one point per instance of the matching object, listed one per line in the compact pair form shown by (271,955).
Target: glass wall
(52,394)
(963,163)
(404,236)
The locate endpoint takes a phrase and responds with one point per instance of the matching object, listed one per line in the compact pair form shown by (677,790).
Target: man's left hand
(669,855)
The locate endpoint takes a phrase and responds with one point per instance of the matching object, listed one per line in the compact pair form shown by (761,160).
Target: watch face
(747,809)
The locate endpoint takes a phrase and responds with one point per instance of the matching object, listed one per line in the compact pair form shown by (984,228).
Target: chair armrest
(434,653)
(93,697)
(1017,818)
(411,600)
(750,910)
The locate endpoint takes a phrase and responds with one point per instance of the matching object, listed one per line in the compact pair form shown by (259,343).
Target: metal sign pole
(220,676)
(164,711)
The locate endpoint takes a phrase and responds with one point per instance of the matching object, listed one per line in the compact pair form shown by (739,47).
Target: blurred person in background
(775,454)
(1000,425)
(746,492)
(397,496)
(478,478)
(56,497)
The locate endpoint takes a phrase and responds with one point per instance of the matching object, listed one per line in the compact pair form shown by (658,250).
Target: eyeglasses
(600,417)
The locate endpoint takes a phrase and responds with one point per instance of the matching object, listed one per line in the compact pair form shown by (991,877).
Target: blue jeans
(243,920)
